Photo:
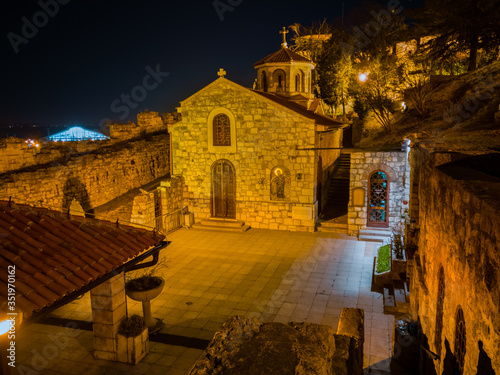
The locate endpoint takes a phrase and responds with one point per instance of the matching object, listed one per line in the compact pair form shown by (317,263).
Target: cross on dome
(284,31)
(221,73)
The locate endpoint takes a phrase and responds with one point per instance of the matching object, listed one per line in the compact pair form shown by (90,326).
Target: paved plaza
(271,275)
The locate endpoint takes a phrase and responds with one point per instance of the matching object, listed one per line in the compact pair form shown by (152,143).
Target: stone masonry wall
(266,136)
(93,178)
(143,210)
(459,231)
(16,154)
(394,164)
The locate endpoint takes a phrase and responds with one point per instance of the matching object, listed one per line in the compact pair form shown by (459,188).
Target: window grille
(222,130)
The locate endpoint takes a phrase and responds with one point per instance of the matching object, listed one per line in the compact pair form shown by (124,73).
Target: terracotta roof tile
(55,254)
(57,288)
(37,299)
(283,55)
(319,119)
(26,305)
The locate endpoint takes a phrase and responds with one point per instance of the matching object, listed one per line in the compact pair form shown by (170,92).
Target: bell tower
(285,72)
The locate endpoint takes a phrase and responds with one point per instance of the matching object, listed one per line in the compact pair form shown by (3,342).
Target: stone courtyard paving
(271,275)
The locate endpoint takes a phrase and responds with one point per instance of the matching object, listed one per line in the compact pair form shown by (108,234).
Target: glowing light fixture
(77,133)
(4,327)
(363,77)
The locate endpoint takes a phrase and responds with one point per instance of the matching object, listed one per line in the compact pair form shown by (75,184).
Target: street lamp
(5,326)
(363,77)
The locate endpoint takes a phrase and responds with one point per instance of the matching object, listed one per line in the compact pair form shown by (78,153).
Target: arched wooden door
(223,190)
(378,200)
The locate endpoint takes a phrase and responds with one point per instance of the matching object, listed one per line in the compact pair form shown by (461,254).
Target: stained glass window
(222,130)
(378,197)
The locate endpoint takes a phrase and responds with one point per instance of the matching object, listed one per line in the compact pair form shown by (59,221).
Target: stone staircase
(338,191)
(375,235)
(396,298)
(221,225)
(332,227)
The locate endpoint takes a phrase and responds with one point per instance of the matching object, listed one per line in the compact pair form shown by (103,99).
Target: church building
(250,157)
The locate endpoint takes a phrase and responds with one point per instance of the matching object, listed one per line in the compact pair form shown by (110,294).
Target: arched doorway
(223,190)
(378,200)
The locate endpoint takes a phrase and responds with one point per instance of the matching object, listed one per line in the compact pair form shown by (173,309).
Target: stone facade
(16,154)
(459,239)
(92,178)
(395,166)
(147,122)
(264,135)
(170,193)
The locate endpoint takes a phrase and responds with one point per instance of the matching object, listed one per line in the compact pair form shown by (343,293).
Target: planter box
(132,349)
(382,278)
(398,266)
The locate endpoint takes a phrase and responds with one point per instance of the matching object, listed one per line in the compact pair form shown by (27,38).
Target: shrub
(383,259)
(131,326)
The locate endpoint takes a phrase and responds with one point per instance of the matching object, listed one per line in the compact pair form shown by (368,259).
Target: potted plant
(144,288)
(398,260)
(132,341)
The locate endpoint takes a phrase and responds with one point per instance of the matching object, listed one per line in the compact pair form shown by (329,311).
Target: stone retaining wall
(92,178)
(15,153)
(460,232)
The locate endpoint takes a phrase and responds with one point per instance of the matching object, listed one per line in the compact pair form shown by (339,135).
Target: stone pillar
(108,310)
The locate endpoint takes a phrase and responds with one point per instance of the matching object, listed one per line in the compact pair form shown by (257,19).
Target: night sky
(91,52)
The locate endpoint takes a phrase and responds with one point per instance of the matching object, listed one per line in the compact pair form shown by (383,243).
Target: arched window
(222,130)
(297,82)
(460,341)
(280,183)
(439,311)
(263,81)
(279,80)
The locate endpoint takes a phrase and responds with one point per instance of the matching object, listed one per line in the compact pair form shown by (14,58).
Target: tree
(334,71)
(380,88)
(414,86)
(458,26)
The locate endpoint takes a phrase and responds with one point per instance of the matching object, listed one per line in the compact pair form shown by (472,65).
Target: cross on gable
(221,73)
(284,31)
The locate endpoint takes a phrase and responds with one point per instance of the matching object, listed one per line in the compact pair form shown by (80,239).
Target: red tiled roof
(319,119)
(56,254)
(283,55)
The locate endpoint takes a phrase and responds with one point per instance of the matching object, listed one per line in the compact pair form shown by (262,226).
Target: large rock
(246,346)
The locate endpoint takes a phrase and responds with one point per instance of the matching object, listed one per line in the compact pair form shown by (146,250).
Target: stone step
(328,224)
(223,222)
(378,231)
(400,297)
(222,225)
(199,226)
(371,238)
(375,235)
(389,301)
(332,230)
(330,227)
